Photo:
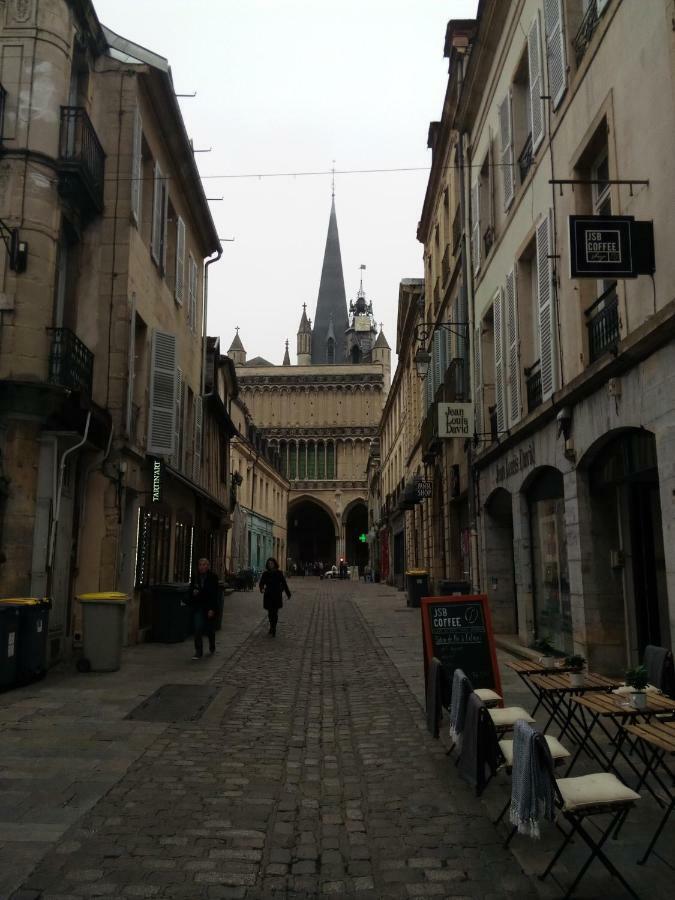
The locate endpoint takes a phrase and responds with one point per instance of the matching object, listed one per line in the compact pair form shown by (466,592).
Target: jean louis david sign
(455,420)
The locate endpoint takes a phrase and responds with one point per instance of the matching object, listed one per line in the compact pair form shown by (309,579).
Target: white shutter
(177,459)
(197,455)
(556,57)
(137,168)
(428,390)
(131,368)
(180,260)
(475,225)
(157,209)
(512,347)
(443,347)
(436,359)
(547,341)
(536,105)
(477,383)
(500,392)
(600,6)
(162,414)
(506,142)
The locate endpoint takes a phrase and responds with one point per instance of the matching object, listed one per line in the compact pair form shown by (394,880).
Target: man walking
(204,595)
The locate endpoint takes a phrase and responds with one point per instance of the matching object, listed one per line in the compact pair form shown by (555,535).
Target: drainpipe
(205,305)
(59,492)
(94,465)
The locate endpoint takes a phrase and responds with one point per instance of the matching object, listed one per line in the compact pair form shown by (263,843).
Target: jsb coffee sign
(455,420)
(610,247)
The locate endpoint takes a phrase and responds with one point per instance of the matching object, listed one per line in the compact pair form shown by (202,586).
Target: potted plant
(547,650)
(637,679)
(577,663)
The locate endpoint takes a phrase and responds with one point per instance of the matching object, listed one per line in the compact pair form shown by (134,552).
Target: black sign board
(157,478)
(424,489)
(610,247)
(457,630)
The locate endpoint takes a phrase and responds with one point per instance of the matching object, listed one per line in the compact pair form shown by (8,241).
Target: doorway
(311,534)
(501,577)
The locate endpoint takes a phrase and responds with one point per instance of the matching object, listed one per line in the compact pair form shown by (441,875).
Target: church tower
(236,352)
(331,304)
(382,354)
(304,345)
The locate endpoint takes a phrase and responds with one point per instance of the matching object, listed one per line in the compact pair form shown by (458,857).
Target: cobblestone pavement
(310,774)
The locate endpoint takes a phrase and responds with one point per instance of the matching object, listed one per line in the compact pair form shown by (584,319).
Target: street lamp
(422,362)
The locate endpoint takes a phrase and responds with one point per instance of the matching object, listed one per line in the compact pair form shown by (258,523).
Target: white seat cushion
(625,689)
(507,718)
(488,696)
(558,752)
(601,789)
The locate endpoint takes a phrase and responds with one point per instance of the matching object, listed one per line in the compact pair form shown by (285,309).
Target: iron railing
(586,31)
(525,159)
(71,363)
(81,154)
(604,327)
(533,386)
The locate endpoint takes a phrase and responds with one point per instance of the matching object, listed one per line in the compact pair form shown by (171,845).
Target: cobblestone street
(310,773)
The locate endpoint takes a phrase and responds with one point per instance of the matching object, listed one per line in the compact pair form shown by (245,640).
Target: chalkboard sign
(458,631)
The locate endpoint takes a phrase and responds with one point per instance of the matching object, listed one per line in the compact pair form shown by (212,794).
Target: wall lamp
(423,332)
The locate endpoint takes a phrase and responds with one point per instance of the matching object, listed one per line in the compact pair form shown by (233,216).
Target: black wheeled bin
(9,631)
(170,615)
(417,583)
(31,640)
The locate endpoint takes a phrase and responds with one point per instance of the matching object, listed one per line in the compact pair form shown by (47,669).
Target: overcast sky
(290,86)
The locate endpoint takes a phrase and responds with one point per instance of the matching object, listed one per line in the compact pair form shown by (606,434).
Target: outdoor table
(601,710)
(658,740)
(556,692)
(527,668)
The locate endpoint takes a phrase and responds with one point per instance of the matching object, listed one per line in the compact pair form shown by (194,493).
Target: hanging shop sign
(424,489)
(157,480)
(610,247)
(457,630)
(455,420)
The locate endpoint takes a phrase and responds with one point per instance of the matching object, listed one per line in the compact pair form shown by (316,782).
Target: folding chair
(658,661)
(577,799)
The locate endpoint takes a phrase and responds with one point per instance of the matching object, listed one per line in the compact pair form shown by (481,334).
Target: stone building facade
(102,351)
(321,415)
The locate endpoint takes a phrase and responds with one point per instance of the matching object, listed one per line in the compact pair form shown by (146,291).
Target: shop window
(153,545)
(182,554)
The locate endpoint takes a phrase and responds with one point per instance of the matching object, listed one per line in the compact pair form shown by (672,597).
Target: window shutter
(164,222)
(428,390)
(512,347)
(506,141)
(600,6)
(546,309)
(536,105)
(477,383)
(161,421)
(500,398)
(555,50)
(137,168)
(436,361)
(180,260)
(156,240)
(475,225)
(444,354)
(131,368)
(192,294)
(177,459)
(197,455)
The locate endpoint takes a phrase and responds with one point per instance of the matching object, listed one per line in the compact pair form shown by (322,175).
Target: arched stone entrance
(311,533)
(355,520)
(501,583)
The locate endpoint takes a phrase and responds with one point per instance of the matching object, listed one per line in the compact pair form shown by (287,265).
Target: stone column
(522,562)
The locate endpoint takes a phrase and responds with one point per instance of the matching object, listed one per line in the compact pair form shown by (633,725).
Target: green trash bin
(417,583)
(103,616)
(31,653)
(9,630)
(170,613)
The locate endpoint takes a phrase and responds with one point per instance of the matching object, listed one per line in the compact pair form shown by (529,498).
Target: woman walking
(273,586)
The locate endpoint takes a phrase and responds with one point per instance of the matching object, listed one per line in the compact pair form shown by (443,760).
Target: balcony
(81,162)
(525,159)
(71,363)
(604,328)
(586,31)
(533,386)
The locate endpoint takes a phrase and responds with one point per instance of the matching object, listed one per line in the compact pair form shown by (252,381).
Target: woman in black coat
(273,586)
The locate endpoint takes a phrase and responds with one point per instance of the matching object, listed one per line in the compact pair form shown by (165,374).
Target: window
(192,294)
(475,225)
(180,260)
(161,423)
(197,439)
(506,145)
(182,554)
(178,459)
(546,304)
(555,51)
(485,204)
(159,218)
(137,168)
(153,545)
(331,470)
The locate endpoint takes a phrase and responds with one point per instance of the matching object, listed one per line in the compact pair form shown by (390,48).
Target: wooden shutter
(197,454)
(180,260)
(137,168)
(131,369)
(506,142)
(546,309)
(162,414)
(556,58)
(157,210)
(477,382)
(512,348)
(500,386)
(177,458)
(475,225)
(536,104)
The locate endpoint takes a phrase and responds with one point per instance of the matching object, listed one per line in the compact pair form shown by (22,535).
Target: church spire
(287,358)
(332,299)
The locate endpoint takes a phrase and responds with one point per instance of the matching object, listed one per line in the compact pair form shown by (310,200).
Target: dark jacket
(204,595)
(274,585)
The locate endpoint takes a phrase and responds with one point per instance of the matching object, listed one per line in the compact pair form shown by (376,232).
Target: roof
(381,342)
(258,361)
(305,327)
(236,344)
(332,299)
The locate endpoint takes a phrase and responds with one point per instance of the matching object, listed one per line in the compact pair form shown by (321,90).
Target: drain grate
(175,703)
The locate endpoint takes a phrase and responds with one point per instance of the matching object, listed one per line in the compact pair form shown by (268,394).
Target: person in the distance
(204,592)
(273,586)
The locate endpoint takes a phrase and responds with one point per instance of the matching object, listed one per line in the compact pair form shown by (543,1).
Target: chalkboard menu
(458,631)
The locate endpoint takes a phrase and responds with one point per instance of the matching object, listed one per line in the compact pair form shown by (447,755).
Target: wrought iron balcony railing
(525,159)
(604,328)
(586,31)
(71,363)
(81,161)
(533,386)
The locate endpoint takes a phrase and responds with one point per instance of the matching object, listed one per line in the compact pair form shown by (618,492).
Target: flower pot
(639,699)
(577,679)
(548,661)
